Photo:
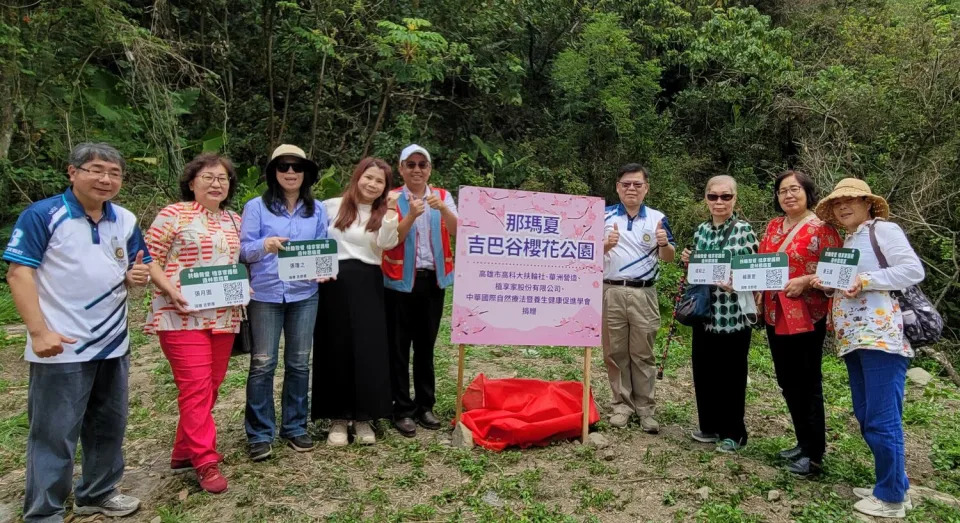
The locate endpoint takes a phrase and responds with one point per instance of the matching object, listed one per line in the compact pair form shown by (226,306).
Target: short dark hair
(88,152)
(633,168)
(192,169)
(804,180)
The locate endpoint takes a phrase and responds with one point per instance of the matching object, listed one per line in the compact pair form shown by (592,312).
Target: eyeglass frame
(99,174)
(224,180)
(636,185)
(411,165)
(794,190)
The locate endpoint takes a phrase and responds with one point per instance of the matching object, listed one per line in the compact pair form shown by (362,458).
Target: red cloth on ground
(523,412)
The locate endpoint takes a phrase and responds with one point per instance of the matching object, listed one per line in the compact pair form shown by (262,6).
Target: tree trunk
(383,111)
(316,106)
(268,29)
(8,78)
(286,97)
(943,361)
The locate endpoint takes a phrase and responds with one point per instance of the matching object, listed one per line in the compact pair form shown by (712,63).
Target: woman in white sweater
(351,366)
(868,324)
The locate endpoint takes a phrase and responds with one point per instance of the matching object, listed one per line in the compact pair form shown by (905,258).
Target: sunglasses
(423,164)
(714,197)
(283,167)
(635,185)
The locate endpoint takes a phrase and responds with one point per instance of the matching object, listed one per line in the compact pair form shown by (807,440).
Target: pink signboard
(529,269)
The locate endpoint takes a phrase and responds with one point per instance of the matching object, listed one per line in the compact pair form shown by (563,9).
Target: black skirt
(351,365)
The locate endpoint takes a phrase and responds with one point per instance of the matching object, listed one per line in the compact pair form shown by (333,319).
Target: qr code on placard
(773,278)
(233,292)
(719,273)
(324,264)
(845,276)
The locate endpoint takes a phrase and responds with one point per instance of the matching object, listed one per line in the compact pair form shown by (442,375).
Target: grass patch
(13,442)
(720,512)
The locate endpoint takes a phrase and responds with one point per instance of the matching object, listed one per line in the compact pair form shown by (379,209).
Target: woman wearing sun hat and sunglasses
(721,345)
(286,211)
(868,325)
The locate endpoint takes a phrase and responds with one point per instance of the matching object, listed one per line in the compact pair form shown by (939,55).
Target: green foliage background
(548,95)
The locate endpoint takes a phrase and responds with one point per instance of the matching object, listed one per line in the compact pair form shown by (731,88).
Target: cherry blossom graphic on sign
(528,269)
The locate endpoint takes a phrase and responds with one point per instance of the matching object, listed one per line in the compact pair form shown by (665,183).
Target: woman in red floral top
(796,338)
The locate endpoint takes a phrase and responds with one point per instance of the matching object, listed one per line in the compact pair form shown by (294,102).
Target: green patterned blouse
(723,305)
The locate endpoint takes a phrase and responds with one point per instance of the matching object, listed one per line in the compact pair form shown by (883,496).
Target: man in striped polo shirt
(72,257)
(637,238)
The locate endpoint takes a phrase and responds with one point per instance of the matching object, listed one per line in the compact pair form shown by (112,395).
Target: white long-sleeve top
(873,319)
(356,242)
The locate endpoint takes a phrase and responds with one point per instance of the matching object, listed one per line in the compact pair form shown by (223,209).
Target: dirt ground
(636,477)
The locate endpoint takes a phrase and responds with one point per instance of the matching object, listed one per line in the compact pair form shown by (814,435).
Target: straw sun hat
(851,188)
(311,169)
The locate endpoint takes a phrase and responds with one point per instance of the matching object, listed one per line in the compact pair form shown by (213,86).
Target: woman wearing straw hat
(796,317)
(286,211)
(869,328)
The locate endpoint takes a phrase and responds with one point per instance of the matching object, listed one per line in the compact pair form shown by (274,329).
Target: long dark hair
(351,195)
(192,169)
(273,198)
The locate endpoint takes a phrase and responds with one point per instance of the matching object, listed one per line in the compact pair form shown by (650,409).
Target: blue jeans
(876,385)
(66,402)
(296,320)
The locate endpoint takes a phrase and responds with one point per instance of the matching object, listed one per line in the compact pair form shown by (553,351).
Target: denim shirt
(258,224)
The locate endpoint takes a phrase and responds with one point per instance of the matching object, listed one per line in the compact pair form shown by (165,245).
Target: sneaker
(338,434)
(791,454)
(704,437)
(211,479)
(804,467)
(302,443)
(728,445)
(872,506)
(364,432)
(115,507)
(619,420)
(649,425)
(259,451)
(180,466)
(868,491)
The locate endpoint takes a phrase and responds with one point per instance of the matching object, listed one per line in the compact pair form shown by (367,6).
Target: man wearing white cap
(416,274)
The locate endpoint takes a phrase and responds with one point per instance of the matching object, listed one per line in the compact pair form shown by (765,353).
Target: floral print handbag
(922,324)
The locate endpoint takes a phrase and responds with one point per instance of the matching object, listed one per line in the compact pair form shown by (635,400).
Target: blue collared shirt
(422,224)
(80,268)
(636,255)
(258,224)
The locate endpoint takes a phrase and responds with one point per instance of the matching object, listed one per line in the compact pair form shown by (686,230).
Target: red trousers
(199,360)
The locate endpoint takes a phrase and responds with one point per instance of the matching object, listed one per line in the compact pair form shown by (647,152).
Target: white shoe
(868,491)
(115,507)
(338,433)
(364,432)
(872,506)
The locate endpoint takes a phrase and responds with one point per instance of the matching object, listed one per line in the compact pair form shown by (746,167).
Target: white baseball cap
(412,149)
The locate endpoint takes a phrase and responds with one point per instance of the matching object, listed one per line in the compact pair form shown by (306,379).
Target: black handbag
(694,307)
(243,341)
(922,324)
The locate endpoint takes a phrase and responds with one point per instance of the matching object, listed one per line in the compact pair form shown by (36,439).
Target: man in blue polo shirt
(637,238)
(72,257)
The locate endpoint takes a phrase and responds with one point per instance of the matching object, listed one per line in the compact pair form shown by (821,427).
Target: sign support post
(586,396)
(460,358)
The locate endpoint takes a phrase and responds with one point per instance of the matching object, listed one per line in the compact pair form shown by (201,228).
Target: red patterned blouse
(803,253)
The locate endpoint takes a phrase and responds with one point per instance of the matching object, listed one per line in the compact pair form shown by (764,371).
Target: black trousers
(797,359)
(720,381)
(414,318)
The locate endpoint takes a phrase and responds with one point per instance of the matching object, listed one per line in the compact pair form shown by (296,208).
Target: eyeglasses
(635,185)
(283,167)
(209,178)
(793,190)
(725,197)
(96,173)
(423,164)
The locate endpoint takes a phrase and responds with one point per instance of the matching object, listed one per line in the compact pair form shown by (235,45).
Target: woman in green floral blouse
(720,346)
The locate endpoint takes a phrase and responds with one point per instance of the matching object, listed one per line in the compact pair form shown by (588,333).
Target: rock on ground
(598,440)
(462,437)
(919,376)
(704,492)
(773,495)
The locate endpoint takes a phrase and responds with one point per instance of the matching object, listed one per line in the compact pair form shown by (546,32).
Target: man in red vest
(416,274)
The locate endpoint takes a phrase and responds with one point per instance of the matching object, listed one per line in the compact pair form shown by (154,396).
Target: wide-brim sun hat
(310,171)
(851,188)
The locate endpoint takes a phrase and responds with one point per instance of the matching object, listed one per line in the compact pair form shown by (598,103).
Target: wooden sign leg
(586,395)
(460,359)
